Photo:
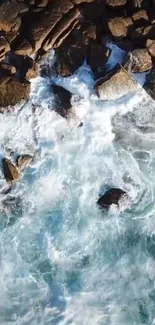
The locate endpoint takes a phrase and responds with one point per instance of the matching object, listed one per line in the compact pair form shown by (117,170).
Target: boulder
(77,2)
(23,161)
(150,45)
(120,27)
(117,84)
(10,171)
(8,13)
(72,53)
(138,60)
(98,57)
(112,196)
(149,84)
(21,63)
(140,35)
(12,91)
(140,18)
(116,3)
(62,103)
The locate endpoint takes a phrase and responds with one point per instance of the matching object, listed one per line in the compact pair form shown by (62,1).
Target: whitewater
(63,260)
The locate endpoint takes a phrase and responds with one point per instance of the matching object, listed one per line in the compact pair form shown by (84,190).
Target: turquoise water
(62,260)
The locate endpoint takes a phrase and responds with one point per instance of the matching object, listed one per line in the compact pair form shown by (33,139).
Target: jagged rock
(12,91)
(120,27)
(21,63)
(113,196)
(117,84)
(138,60)
(49,20)
(10,171)
(140,35)
(140,18)
(62,100)
(149,84)
(77,2)
(33,72)
(23,161)
(73,52)
(98,57)
(150,45)
(8,13)
(116,3)
(62,29)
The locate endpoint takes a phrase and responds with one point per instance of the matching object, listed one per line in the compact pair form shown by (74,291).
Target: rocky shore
(78,30)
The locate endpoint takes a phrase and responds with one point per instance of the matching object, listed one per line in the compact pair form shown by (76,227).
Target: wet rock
(120,27)
(77,2)
(94,10)
(8,13)
(32,72)
(43,31)
(23,161)
(10,171)
(149,84)
(116,3)
(72,53)
(113,196)
(140,18)
(138,60)
(140,35)
(150,45)
(13,91)
(98,57)
(21,63)
(62,101)
(117,84)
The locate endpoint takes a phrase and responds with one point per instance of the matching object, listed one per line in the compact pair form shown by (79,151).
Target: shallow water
(62,260)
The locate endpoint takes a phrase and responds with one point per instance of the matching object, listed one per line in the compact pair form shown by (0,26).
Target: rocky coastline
(78,30)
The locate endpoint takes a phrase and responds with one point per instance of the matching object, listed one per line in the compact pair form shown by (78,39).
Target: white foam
(65,261)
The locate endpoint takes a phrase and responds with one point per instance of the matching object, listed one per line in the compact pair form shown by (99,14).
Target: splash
(62,260)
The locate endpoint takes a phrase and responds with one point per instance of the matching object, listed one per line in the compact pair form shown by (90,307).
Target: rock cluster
(76,29)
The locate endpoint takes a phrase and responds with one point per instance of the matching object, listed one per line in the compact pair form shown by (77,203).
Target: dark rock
(12,91)
(10,171)
(62,101)
(116,84)
(97,59)
(112,196)
(140,35)
(21,63)
(120,27)
(94,10)
(138,60)
(73,52)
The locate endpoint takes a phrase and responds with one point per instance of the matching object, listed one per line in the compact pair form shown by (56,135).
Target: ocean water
(63,261)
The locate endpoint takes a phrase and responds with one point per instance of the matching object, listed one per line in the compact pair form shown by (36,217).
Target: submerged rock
(149,84)
(112,196)
(117,84)
(10,171)
(23,161)
(62,101)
